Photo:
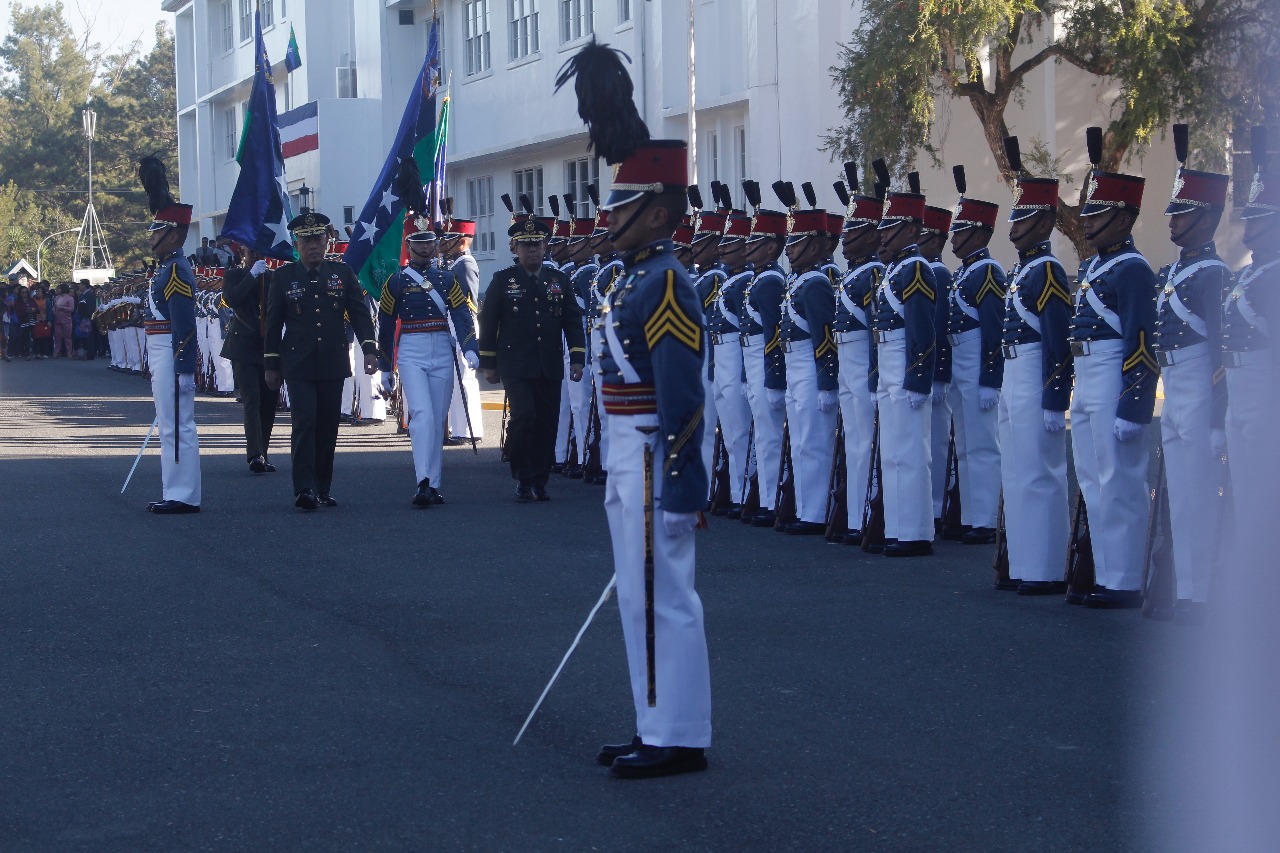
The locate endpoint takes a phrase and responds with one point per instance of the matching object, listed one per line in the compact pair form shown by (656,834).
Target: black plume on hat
(962,185)
(913,182)
(408,185)
(446,206)
(155,180)
(605,104)
(593,193)
(554,202)
(882,172)
(752,191)
(526,203)
(851,176)
(1258,147)
(786,193)
(568,204)
(1014,152)
(881,190)
(725,198)
(506,201)
(1180,142)
(695,197)
(1093,140)
(841,193)
(809,195)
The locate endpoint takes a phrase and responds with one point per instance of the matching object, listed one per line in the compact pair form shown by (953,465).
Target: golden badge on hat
(1256,188)
(1017,194)
(310,220)
(422,223)
(1093,188)
(1178,184)
(528,225)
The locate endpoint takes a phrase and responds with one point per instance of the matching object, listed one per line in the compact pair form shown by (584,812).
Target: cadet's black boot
(423,497)
(610,751)
(648,762)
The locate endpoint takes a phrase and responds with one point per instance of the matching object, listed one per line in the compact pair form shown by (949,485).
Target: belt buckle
(1165,359)
(742,341)
(716,338)
(1232,359)
(1010,350)
(1079,349)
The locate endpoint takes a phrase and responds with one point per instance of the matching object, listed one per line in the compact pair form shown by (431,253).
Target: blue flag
(292,56)
(258,214)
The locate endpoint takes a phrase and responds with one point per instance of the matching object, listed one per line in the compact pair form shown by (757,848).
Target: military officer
(1036,391)
(171,348)
(905,350)
(1112,338)
(933,238)
(1189,349)
(528,315)
(327,292)
(724,329)
(244,289)
(856,352)
(975,329)
(466,421)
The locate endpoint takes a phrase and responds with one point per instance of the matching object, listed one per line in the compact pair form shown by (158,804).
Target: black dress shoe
(805,528)
(307,499)
(909,548)
(649,762)
(954,534)
(540,493)
(764,518)
(734,513)
(327,500)
(524,494)
(1042,588)
(1007,584)
(258,465)
(610,751)
(720,511)
(853,537)
(1114,599)
(573,472)
(1081,596)
(979,536)
(423,496)
(557,468)
(267,466)
(172,508)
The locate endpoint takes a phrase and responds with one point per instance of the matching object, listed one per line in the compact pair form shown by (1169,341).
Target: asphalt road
(253,678)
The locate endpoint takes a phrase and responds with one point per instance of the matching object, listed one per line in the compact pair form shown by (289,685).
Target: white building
(763,92)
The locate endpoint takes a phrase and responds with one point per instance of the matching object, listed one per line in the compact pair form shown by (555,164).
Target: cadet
(1036,391)
(975,330)
(709,275)
(933,238)
(1112,334)
(456,245)
(245,292)
(171,346)
(529,313)
(601,285)
(724,324)
(327,291)
(431,310)
(580,396)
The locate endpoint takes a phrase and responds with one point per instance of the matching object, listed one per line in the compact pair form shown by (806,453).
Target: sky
(115,23)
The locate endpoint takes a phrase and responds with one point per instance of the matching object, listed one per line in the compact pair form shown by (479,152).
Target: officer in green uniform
(314,360)
(526,308)
(243,291)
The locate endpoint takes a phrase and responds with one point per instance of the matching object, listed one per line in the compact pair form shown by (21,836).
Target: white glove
(1054,421)
(186,382)
(259,267)
(388,383)
(1127,430)
(472,360)
(1218,442)
(777,399)
(827,401)
(939,392)
(916,399)
(679,523)
(987,398)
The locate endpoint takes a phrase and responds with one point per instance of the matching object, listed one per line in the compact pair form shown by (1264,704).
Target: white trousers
(457,411)
(939,447)
(425,362)
(204,342)
(768,424)
(357,390)
(115,343)
(1112,474)
(813,434)
(734,413)
(904,451)
(1251,452)
(1033,470)
(597,347)
(710,418)
(180,481)
(858,408)
(575,413)
(132,349)
(977,436)
(682,715)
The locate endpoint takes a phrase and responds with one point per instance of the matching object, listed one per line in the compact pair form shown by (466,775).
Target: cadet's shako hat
(1108,191)
(736,227)
(166,212)
(1194,190)
(807,223)
(582,229)
(711,224)
(835,223)
(767,223)
(971,212)
(1030,195)
(418,229)
(900,206)
(683,235)
(860,210)
(461,228)
(937,220)
(656,166)
(309,224)
(1264,193)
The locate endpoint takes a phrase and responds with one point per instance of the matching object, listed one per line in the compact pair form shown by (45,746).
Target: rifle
(592,464)
(838,489)
(719,500)
(1080,575)
(1001,563)
(952,523)
(1158,581)
(873,509)
(750,499)
(785,500)
(506,419)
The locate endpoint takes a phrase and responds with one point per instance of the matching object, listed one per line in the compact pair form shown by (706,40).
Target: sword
(141,450)
(466,407)
(604,596)
(649,653)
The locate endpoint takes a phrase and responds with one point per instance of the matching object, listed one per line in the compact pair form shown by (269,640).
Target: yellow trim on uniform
(670,319)
(387,301)
(991,285)
(1140,356)
(1052,288)
(572,350)
(775,343)
(918,285)
(176,286)
(685,436)
(711,296)
(827,346)
(457,298)
(485,352)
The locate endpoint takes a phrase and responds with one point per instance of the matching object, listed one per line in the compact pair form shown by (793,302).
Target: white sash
(1240,297)
(1169,295)
(886,285)
(849,305)
(438,300)
(1095,272)
(723,307)
(957,295)
(746,298)
(629,374)
(801,323)
(1023,311)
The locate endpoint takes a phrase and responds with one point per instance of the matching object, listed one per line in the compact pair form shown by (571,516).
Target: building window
(480,204)
(576,19)
(523,17)
(740,158)
(229,130)
(529,182)
(624,11)
(246,20)
(476,46)
(227,28)
(268,13)
(713,154)
(578,175)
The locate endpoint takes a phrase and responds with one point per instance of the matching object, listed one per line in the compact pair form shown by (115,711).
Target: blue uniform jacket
(1199,291)
(173,290)
(1127,289)
(911,280)
(1042,293)
(763,295)
(405,300)
(859,290)
(1250,308)
(655,311)
(942,359)
(708,285)
(980,284)
(810,296)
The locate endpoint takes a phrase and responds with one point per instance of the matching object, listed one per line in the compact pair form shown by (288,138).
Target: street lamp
(40,248)
(304,195)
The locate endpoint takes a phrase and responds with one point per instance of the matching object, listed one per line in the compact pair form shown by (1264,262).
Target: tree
(1212,62)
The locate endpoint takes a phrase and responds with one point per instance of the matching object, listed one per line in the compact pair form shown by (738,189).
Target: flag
(292,56)
(258,214)
(374,250)
(438,168)
(299,130)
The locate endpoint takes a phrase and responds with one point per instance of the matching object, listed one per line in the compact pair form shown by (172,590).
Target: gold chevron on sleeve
(1052,288)
(1141,356)
(457,297)
(670,319)
(775,343)
(387,303)
(176,286)
(918,285)
(686,434)
(990,286)
(827,346)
